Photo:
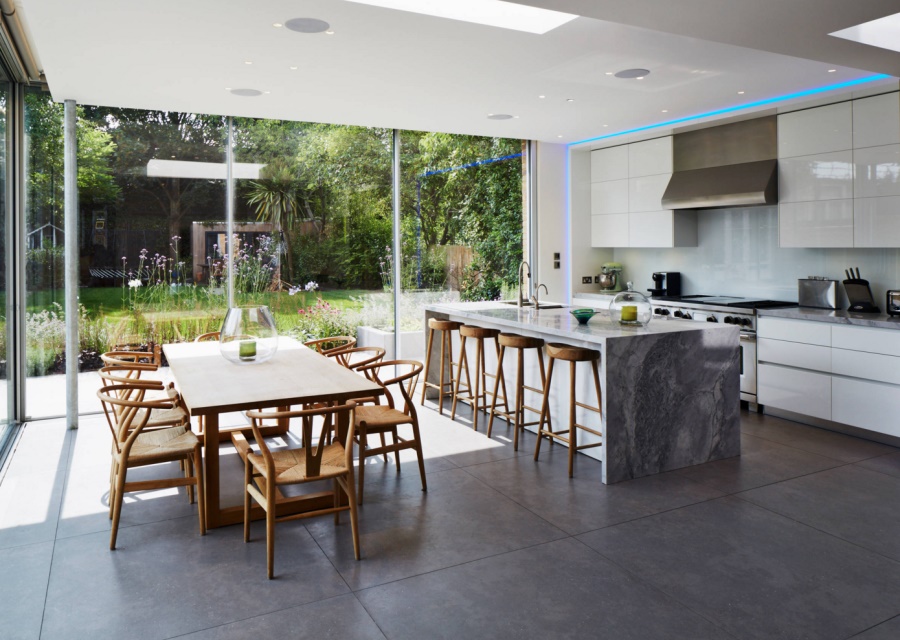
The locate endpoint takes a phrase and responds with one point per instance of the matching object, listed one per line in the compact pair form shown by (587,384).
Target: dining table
(210,386)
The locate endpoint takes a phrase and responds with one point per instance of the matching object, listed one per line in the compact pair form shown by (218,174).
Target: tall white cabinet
(839,174)
(627,185)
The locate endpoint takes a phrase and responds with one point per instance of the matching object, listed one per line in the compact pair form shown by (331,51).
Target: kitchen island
(671,390)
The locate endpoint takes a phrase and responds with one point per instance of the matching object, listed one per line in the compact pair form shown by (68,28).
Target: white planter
(412,343)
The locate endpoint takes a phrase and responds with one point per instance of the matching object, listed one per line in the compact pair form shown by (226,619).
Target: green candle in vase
(247,349)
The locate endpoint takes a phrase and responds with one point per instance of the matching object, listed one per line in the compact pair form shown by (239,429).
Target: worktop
(835,316)
(670,390)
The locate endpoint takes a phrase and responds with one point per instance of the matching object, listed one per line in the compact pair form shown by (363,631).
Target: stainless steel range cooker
(740,312)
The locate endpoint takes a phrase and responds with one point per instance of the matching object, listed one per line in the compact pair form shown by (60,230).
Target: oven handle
(748,337)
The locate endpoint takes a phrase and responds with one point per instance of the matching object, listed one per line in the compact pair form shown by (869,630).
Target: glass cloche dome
(630,308)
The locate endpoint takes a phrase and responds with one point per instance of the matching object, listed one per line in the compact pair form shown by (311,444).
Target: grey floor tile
(25,571)
(555,590)
(32,487)
(850,502)
(889,464)
(430,531)
(820,441)
(761,462)
(340,618)
(583,503)
(889,630)
(759,574)
(166,580)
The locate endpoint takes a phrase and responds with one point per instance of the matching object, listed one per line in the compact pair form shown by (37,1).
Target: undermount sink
(529,303)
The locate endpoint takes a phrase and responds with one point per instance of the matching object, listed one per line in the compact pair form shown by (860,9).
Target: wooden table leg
(213,511)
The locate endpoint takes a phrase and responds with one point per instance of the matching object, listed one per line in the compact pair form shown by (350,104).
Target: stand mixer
(609,277)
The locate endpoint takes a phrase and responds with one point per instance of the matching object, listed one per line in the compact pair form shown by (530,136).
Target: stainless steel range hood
(732,165)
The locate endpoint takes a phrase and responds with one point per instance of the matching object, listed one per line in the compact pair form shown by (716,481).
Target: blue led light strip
(472,164)
(746,105)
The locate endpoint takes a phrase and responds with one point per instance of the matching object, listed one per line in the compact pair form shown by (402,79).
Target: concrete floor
(797,538)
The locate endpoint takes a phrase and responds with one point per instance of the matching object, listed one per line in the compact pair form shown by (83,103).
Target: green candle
(629,313)
(247,349)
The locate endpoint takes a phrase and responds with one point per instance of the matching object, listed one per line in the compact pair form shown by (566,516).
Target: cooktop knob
(730,320)
(678,314)
(687,316)
(657,311)
(664,312)
(746,322)
(711,319)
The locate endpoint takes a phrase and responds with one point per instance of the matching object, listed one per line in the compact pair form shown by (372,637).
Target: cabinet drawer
(867,405)
(885,341)
(871,366)
(803,392)
(795,330)
(794,354)
(609,197)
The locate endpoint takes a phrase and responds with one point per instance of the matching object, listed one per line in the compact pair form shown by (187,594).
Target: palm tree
(277,198)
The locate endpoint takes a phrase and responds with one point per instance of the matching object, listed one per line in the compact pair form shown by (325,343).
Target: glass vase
(248,335)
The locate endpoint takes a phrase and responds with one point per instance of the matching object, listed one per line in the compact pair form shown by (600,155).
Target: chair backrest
(337,419)
(136,360)
(406,376)
(128,416)
(356,357)
(332,345)
(207,337)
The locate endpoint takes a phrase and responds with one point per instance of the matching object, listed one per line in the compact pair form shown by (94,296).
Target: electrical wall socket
(586,279)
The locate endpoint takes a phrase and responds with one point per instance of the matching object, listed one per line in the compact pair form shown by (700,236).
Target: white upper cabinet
(650,158)
(876,222)
(610,230)
(876,120)
(609,164)
(826,224)
(824,176)
(813,131)
(877,171)
(609,197)
(645,193)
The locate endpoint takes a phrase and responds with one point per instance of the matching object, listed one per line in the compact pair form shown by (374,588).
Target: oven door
(748,367)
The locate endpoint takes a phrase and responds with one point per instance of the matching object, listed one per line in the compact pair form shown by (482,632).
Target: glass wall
(321,197)
(4,338)
(461,223)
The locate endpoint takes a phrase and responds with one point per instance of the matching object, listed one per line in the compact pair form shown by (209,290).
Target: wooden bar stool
(446,327)
(517,415)
(478,395)
(572,355)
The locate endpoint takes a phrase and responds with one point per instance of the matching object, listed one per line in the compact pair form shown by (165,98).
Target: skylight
(883,33)
(493,13)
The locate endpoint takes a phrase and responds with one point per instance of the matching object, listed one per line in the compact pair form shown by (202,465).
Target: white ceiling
(388,68)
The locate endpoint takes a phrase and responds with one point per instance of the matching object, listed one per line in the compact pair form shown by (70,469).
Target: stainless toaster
(893,302)
(817,291)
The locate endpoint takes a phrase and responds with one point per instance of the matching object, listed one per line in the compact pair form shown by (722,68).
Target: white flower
(134,284)
(311,286)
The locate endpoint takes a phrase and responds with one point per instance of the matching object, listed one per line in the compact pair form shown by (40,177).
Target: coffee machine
(666,283)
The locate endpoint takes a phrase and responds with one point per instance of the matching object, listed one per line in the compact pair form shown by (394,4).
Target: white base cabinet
(841,373)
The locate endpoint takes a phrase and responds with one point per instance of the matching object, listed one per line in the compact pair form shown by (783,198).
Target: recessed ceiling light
(740,93)
(606,125)
(877,33)
(542,96)
(559,136)
(277,25)
(832,70)
(248,62)
(267,92)
(307,25)
(246,93)
(516,117)
(570,99)
(609,73)
(293,68)
(330,32)
(227,88)
(633,73)
(492,13)
(499,116)
(665,111)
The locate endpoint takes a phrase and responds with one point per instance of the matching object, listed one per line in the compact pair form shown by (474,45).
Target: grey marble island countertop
(835,316)
(561,323)
(670,391)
